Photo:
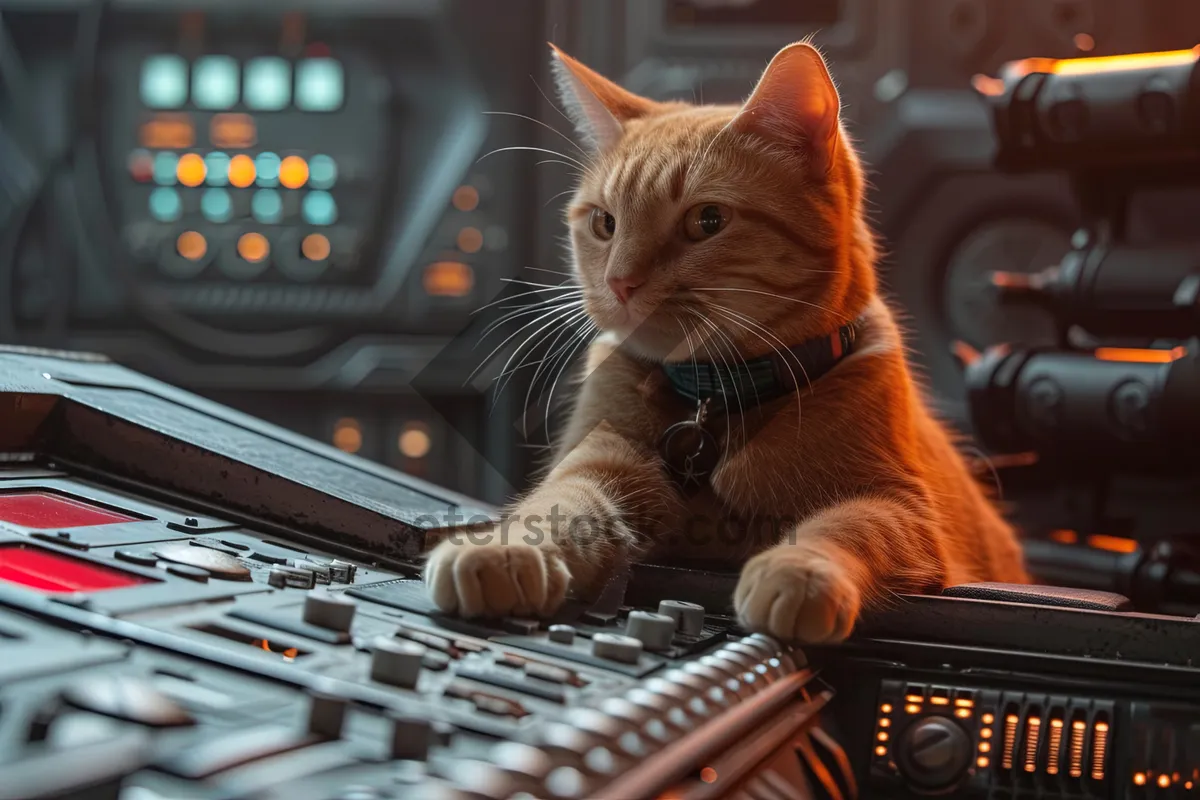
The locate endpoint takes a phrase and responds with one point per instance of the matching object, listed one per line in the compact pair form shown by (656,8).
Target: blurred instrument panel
(279,205)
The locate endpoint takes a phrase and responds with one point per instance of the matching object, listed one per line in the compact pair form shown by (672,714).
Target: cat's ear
(596,105)
(796,103)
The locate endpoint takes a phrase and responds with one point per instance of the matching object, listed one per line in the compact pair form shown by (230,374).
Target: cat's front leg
(811,587)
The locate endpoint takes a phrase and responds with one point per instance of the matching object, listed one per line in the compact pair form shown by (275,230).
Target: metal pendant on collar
(689,450)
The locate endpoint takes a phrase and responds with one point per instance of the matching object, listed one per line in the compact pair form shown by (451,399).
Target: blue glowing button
(164,82)
(267,206)
(217,168)
(165,165)
(322,172)
(215,82)
(320,85)
(165,204)
(216,205)
(268,84)
(319,208)
(267,167)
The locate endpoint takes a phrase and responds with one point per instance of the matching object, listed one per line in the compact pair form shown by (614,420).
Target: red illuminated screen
(48,510)
(47,571)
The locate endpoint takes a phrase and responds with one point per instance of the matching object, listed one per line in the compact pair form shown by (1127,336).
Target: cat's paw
(797,594)
(491,580)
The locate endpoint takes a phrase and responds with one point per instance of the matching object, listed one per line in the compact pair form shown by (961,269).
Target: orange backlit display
(449,279)
(253,247)
(241,171)
(293,172)
(233,131)
(1139,355)
(167,132)
(191,170)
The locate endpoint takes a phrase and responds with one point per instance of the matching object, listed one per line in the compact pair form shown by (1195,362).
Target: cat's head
(736,225)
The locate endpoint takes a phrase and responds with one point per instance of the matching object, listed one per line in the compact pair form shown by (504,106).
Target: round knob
(689,617)
(563,634)
(396,663)
(654,631)
(332,611)
(616,647)
(933,753)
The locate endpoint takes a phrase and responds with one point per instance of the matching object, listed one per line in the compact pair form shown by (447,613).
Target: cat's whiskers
(727,343)
(550,359)
(525,309)
(585,339)
(509,298)
(776,296)
(535,121)
(574,161)
(554,312)
(720,380)
(559,316)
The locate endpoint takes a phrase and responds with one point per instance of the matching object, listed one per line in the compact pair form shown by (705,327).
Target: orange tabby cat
(741,228)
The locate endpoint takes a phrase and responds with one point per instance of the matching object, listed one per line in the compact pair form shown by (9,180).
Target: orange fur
(834,498)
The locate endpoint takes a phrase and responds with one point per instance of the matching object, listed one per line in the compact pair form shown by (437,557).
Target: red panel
(48,510)
(47,571)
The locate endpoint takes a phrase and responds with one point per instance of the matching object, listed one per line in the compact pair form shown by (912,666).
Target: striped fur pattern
(833,499)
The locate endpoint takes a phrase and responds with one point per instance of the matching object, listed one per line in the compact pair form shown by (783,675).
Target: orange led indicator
(191,245)
(1164,781)
(987,719)
(1056,734)
(253,247)
(315,247)
(982,762)
(167,132)
(883,736)
(449,279)
(1085,42)
(915,698)
(885,723)
(470,240)
(985,747)
(466,198)
(232,131)
(708,775)
(241,171)
(940,701)
(912,708)
(886,708)
(1139,779)
(293,172)
(1064,536)
(347,435)
(986,733)
(190,170)
(881,751)
(414,441)
(962,713)
(1113,544)
(1136,355)
(963,702)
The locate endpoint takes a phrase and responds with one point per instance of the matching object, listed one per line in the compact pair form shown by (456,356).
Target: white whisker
(548,127)
(563,156)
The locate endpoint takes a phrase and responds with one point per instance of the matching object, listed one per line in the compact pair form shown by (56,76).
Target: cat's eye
(603,223)
(705,220)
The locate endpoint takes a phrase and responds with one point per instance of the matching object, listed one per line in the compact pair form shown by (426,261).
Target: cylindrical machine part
(1146,292)
(1123,410)
(1082,114)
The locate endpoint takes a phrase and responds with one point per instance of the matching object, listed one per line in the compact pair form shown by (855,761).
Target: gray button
(689,617)
(332,611)
(563,634)
(396,662)
(285,577)
(615,647)
(654,631)
(410,738)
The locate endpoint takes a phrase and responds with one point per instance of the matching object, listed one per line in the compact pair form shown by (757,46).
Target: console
(196,604)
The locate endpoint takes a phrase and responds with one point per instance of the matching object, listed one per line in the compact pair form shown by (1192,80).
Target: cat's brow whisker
(535,121)
(555,153)
(560,194)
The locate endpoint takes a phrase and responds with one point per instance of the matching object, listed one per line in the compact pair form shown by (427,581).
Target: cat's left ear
(598,107)
(797,104)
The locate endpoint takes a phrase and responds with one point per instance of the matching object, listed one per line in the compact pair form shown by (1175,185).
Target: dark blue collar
(740,386)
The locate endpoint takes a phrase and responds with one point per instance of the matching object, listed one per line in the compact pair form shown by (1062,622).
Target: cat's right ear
(597,106)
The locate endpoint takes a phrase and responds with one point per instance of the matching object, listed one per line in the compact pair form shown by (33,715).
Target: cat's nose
(623,287)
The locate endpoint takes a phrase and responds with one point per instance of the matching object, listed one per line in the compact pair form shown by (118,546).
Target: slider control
(334,612)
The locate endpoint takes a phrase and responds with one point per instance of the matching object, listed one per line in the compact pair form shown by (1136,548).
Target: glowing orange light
(886,708)
(1113,544)
(466,198)
(1010,739)
(1076,748)
(1099,750)
(708,775)
(414,441)
(253,247)
(988,86)
(885,723)
(293,172)
(987,719)
(347,435)
(167,132)
(470,240)
(191,245)
(1084,42)
(1064,536)
(1164,781)
(1056,734)
(963,702)
(315,247)
(291,653)
(190,170)
(940,701)
(1139,355)
(982,762)
(1188,786)
(1033,728)
(962,713)
(985,747)
(449,279)
(883,736)
(986,733)
(912,708)
(1139,779)
(241,171)
(232,131)
(1132,61)
(881,751)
